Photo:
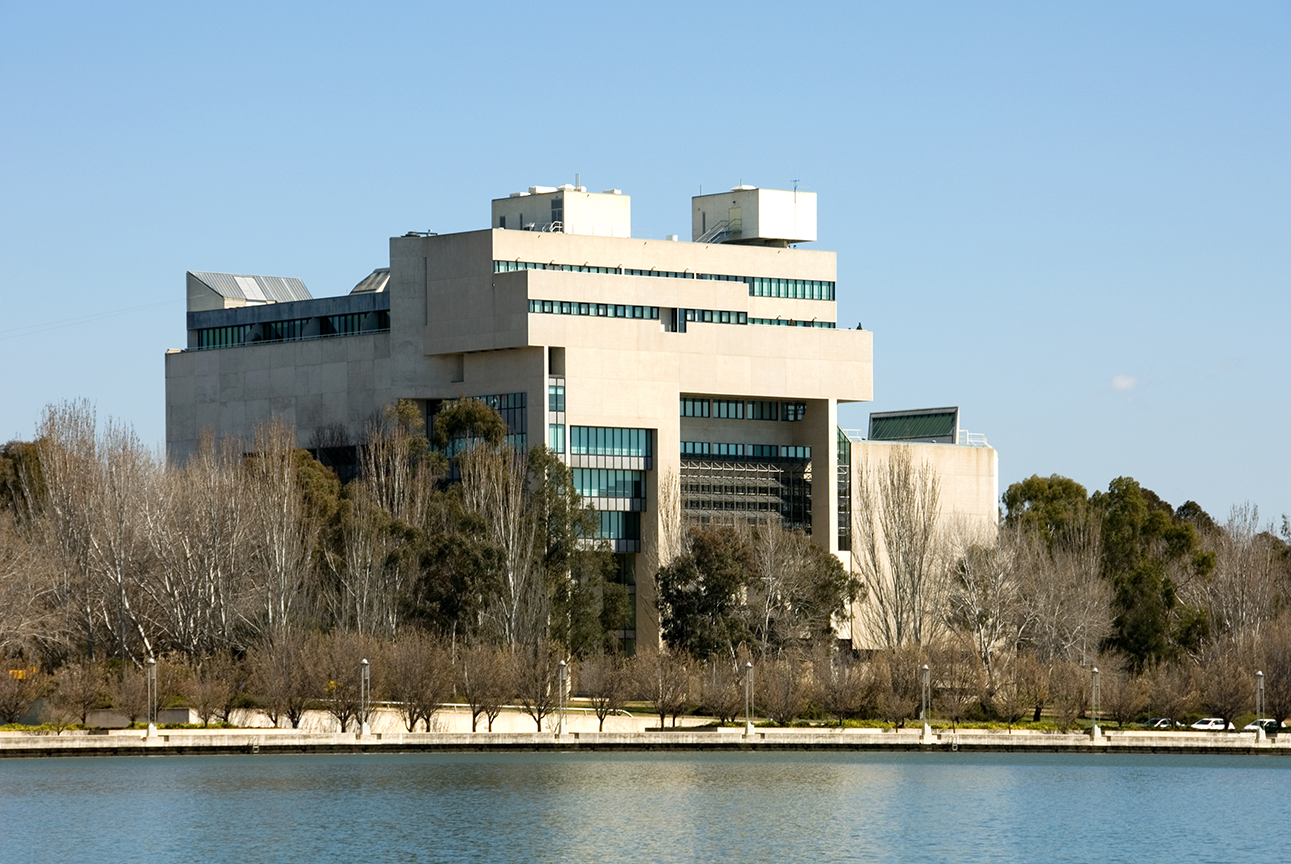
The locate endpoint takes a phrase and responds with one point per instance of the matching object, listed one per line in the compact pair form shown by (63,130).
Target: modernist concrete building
(706,373)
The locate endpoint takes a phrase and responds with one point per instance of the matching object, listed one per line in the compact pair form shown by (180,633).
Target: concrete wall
(340,379)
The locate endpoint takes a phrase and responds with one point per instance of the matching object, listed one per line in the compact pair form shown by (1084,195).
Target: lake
(646,807)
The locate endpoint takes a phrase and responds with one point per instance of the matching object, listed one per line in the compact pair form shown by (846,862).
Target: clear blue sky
(1073,220)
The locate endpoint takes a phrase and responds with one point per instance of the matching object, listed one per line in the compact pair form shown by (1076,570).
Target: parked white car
(1212,724)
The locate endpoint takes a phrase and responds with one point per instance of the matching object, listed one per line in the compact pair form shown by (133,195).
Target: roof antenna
(576,180)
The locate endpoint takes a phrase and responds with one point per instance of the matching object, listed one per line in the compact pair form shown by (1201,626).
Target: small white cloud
(1124,383)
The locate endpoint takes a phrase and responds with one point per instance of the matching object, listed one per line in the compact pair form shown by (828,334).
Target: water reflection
(644,807)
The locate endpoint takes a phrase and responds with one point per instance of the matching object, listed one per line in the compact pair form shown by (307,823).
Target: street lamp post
(925,689)
(1093,711)
(151,675)
(748,698)
(560,722)
(1259,705)
(365,693)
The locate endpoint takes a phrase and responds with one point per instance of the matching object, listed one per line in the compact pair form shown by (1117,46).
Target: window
(763,410)
(619,526)
(502,221)
(609,441)
(695,448)
(694,407)
(557,210)
(556,397)
(728,449)
(556,437)
(794,411)
(727,409)
(609,483)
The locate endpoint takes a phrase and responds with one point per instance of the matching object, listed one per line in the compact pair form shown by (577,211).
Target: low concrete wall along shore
(278,741)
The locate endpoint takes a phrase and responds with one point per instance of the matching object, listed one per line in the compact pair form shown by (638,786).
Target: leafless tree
(1227,685)
(897,549)
(20,685)
(201,590)
(784,686)
(1249,583)
(1070,692)
(664,680)
(1275,662)
(128,690)
(420,677)
(721,686)
(603,681)
(1173,689)
(844,686)
(33,612)
(960,680)
(78,688)
(282,676)
(337,659)
(1122,695)
(495,486)
(486,681)
(211,687)
(537,677)
(283,535)
(986,601)
(1065,610)
(897,683)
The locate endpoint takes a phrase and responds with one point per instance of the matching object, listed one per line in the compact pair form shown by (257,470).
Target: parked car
(1212,724)
(1269,726)
(1162,723)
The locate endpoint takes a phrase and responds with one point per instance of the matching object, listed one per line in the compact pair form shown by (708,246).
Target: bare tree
(1065,606)
(1070,692)
(33,612)
(1227,686)
(960,680)
(784,687)
(486,681)
(211,687)
(795,590)
(20,685)
(283,537)
(128,690)
(843,685)
(664,680)
(495,486)
(337,659)
(603,681)
(897,550)
(420,677)
(897,684)
(1248,586)
(986,601)
(721,686)
(1122,696)
(537,677)
(201,590)
(78,688)
(1275,662)
(282,676)
(1173,689)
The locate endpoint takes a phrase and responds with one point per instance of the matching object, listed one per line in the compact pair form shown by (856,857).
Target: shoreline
(267,742)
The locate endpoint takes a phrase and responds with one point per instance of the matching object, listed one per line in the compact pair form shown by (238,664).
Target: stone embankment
(284,741)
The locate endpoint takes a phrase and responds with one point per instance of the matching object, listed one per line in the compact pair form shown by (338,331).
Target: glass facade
(694,407)
(608,441)
(556,437)
(609,483)
(556,397)
(594,310)
(616,525)
(844,492)
(294,330)
(729,492)
(759,286)
(791,322)
(764,410)
(728,409)
(736,451)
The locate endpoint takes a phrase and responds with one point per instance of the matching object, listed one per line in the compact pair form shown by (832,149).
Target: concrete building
(702,376)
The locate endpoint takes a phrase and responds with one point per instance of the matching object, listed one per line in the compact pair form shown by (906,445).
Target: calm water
(645,808)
